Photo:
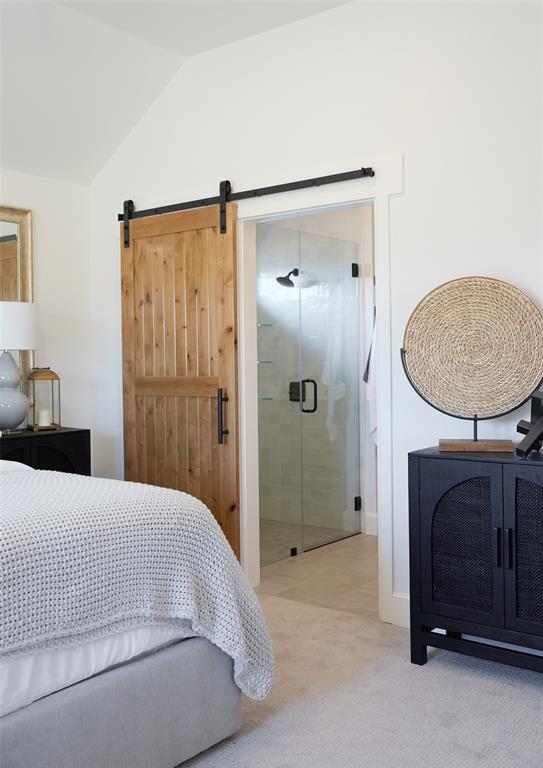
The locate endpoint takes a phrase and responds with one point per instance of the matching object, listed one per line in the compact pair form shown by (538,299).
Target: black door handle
(497,546)
(315,402)
(221,432)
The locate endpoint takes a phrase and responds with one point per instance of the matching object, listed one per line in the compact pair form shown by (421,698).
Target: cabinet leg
(419,652)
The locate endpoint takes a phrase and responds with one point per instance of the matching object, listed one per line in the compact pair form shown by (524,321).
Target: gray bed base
(153,712)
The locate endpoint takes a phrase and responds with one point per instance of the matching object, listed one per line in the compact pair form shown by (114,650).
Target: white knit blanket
(82,558)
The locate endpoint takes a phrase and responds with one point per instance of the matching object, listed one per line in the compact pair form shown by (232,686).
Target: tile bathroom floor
(277,538)
(342,576)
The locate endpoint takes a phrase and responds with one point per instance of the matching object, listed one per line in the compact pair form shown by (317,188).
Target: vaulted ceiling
(75,77)
(189,27)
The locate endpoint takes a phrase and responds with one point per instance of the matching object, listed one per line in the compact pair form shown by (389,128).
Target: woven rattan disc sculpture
(473,347)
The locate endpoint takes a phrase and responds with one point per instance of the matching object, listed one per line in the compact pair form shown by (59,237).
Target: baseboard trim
(395,609)
(370,524)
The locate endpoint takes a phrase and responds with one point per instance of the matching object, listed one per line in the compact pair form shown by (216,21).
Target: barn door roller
(128,210)
(224,192)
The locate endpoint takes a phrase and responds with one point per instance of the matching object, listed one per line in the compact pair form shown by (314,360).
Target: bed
(127,628)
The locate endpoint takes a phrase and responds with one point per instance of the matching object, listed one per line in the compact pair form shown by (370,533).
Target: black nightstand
(62,450)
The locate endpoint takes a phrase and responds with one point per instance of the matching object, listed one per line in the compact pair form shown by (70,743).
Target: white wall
(61,284)
(456,88)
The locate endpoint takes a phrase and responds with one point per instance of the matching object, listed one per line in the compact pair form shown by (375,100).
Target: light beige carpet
(346,696)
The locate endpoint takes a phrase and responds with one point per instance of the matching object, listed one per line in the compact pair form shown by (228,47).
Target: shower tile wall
(323,309)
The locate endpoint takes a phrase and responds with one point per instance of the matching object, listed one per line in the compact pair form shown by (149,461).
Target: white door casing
(388,181)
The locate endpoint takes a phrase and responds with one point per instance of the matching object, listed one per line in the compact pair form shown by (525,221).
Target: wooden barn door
(179,351)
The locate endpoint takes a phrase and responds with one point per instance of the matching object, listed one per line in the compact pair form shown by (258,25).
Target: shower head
(286,281)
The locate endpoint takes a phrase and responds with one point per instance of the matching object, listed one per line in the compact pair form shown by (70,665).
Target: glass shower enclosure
(308,389)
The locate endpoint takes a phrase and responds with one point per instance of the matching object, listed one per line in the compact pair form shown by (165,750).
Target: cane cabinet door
(461,540)
(523,548)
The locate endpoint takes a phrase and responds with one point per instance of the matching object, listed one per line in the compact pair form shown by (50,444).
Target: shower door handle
(221,432)
(315,401)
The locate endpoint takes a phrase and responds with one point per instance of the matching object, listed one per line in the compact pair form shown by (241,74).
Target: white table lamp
(18,331)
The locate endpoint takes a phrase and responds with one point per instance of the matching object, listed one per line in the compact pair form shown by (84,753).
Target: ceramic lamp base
(13,404)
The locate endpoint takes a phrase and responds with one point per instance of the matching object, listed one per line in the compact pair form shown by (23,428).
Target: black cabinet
(476,555)
(62,450)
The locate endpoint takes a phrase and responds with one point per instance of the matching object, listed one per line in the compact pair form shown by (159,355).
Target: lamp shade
(18,325)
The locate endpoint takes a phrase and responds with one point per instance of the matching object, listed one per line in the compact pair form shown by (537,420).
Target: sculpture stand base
(533,429)
(477,446)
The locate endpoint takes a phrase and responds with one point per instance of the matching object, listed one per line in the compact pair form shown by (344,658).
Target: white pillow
(12,466)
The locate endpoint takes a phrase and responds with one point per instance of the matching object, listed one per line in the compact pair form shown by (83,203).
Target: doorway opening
(315,309)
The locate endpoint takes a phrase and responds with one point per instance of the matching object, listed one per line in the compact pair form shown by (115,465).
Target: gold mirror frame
(23,218)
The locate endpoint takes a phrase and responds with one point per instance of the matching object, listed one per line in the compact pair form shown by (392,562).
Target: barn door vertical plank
(129,326)
(193,301)
(139,360)
(159,349)
(170,326)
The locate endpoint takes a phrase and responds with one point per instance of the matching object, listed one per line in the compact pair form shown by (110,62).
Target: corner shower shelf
(264,362)
(264,325)
(264,398)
